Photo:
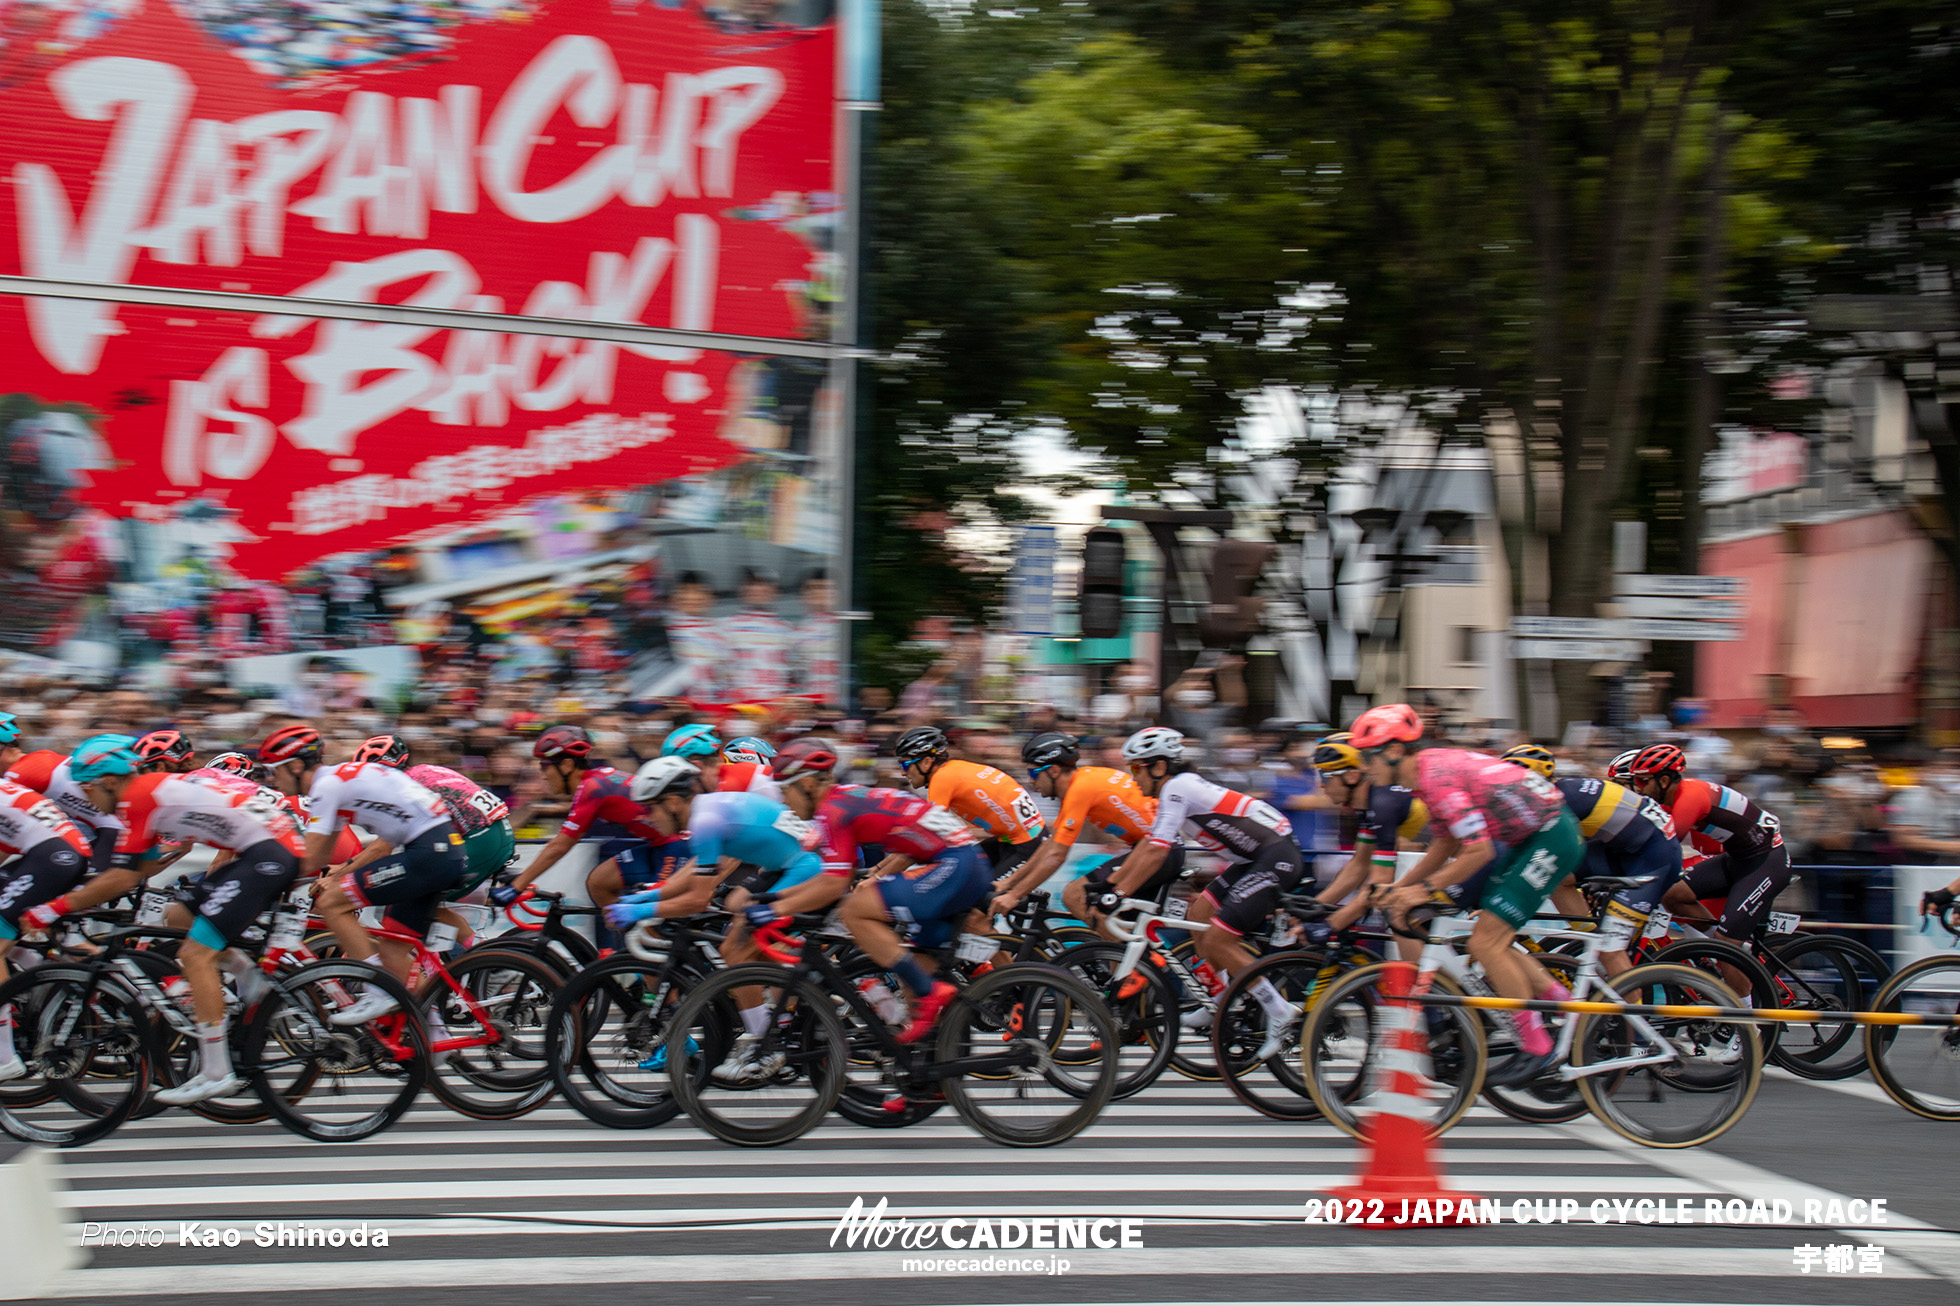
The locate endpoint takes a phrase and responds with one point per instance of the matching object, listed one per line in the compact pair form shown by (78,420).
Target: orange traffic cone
(1401,1174)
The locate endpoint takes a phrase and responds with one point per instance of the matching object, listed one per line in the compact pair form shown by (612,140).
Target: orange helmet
(163,746)
(284,745)
(1379,727)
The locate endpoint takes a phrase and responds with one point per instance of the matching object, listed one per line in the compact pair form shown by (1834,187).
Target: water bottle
(882,999)
(1204,972)
(178,990)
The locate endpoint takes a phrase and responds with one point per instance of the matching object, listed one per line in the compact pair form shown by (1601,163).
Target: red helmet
(1379,727)
(389,750)
(806,756)
(163,746)
(563,741)
(1658,759)
(289,743)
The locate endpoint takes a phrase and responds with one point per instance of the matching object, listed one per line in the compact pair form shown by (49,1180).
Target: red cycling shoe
(925,1012)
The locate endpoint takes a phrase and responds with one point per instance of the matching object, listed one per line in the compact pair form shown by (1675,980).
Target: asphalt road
(551,1209)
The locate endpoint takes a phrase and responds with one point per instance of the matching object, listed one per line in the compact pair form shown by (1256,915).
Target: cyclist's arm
(1440,851)
(319,851)
(1351,875)
(548,856)
(1046,860)
(1139,866)
(106,887)
(894,864)
(375,850)
(1471,857)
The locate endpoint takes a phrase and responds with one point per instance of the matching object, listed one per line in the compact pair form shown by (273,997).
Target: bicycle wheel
(797,1076)
(603,1038)
(1143,1004)
(1823,973)
(1547,1100)
(1708,1079)
(178,1058)
(1711,956)
(363,1077)
(1919,1065)
(1273,1087)
(872,1096)
(1347,1031)
(86,1040)
(1045,1028)
(510,1077)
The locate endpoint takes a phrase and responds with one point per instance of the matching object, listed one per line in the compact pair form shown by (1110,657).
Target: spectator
(1925,819)
(757,641)
(1206,697)
(928,699)
(817,643)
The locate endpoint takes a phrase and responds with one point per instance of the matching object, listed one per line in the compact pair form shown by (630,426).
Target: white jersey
(1223,820)
(66,794)
(209,807)
(379,799)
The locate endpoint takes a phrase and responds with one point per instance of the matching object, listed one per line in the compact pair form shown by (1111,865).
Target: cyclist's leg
(1516,890)
(1709,878)
(40,874)
(1657,865)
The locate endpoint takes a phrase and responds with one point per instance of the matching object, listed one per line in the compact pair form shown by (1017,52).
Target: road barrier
(1751,1015)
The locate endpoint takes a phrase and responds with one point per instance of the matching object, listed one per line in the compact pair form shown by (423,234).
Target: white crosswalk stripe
(1215,1194)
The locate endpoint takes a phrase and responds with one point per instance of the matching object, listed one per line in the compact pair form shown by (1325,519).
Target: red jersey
(604,808)
(1717,819)
(27,820)
(35,770)
(225,811)
(851,815)
(748,778)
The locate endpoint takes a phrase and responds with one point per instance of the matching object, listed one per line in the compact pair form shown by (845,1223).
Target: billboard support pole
(858,85)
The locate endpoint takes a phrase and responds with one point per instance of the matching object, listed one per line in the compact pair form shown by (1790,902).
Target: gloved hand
(1315,933)
(41,917)
(644,895)
(624,915)
(503,895)
(1938,899)
(759,915)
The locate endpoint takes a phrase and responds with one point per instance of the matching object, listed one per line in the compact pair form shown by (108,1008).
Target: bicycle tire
(581,1051)
(1460,1063)
(511,1077)
(1148,1016)
(1851,976)
(1709,954)
(995,1008)
(1913,1062)
(120,1024)
(1239,1029)
(814,1041)
(293,1015)
(1688,985)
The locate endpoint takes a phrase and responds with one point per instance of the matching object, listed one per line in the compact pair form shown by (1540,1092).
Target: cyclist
(932,876)
(745,768)
(242,819)
(415,858)
(603,812)
(726,830)
(52,775)
(990,800)
(1504,841)
(1257,844)
(1747,862)
(489,844)
(1626,835)
(166,751)
(10,749)
(1098,798)
(46,857)
(700,745)
(1390,816)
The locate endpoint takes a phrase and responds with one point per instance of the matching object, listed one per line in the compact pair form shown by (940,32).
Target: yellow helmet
(1336,753)
(1534,758)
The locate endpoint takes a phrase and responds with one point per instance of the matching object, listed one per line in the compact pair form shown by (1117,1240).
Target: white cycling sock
(1277,1007)
(756,1019)
(214,1052)
(7,1035)
(374,961)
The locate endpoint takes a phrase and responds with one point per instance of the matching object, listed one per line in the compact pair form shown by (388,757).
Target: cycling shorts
(1006,858)
(1531,869)
(928,900)
(411,883)
(1245,896)
(1750,885)
(1167,874)
(44,872)
(227,900)
(490,851)
(646,866)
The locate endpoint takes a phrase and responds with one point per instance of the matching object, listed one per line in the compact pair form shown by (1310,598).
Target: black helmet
(921,742)
(1051,747)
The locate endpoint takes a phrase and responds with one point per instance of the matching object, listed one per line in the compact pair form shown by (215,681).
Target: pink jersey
(27,820)
(1476,796)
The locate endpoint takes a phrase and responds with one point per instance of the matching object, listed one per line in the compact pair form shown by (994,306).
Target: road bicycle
(1919,1065)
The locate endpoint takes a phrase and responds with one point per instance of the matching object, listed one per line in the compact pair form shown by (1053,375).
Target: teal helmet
(748,749)
(691,741)
(9,728)
(103,755)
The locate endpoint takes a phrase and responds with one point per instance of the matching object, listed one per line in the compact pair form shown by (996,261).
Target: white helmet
(1621,768)
(663,776)
(1154,744)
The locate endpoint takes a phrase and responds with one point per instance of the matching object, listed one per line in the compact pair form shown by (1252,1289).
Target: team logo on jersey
(270,868)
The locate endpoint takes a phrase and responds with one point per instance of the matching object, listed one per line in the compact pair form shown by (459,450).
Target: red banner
(586,159)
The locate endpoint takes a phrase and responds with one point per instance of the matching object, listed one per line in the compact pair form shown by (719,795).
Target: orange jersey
(988,798)
(1107,800)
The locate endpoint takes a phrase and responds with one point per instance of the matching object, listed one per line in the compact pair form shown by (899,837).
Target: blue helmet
(747,749)
(691,741)
(9,728)
(103,755)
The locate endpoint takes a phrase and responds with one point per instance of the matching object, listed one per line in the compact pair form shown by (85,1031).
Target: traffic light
(1232,615)
(1100,601)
